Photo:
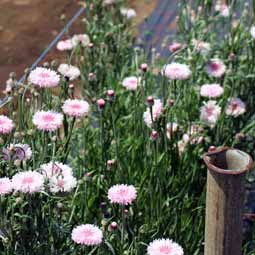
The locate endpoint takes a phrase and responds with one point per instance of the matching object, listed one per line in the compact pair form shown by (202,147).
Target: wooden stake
(224,200)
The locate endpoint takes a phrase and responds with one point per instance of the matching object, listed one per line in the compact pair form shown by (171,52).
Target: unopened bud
(154,135)
(144,67)
(101,104)
(150,101)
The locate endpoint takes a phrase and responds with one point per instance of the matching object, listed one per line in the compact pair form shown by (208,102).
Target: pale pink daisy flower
(44,77)
(128,13)
(252,31)
(235,107)
(75,108)
(176,71)
(216,68)
(164,247)
(55,169)
(82,39)
(171,128)
(211,90)
(157,110)
(62,183)
(122,194)
(87,234)
(209,113)
(65,45)
(18,151)
(47,120)
(223,9)
(6,125)
(69,71)
(28,182)
(5,186)
(175,46)
(131,83)
(60,177)
(201,47)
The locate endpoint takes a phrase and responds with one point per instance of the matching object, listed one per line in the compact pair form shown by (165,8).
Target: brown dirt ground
(28,26)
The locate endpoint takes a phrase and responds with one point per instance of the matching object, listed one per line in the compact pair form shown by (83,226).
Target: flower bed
(102,154)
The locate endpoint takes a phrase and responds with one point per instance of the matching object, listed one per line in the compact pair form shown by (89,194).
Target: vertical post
(224,200)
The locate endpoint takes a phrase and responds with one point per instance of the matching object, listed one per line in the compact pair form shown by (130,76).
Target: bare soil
(28,26)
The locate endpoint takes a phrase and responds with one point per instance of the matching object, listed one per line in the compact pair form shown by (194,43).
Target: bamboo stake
(224,200)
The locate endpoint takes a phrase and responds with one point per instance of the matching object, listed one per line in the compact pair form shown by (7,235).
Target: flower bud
(150,101)
(174,47)
(111,94)
(101,104)
(71,86)
(60,205)
(113,226)
(170,102)
(154,135)
(91,76)
(46,64)
(110,163)
(144,67)
(212,148)
(17,162)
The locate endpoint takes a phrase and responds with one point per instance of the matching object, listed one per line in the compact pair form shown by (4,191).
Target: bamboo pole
(224,200)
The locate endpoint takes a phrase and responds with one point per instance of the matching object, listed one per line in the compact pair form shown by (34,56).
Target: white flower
(82,39)
(69,71)
(128,13)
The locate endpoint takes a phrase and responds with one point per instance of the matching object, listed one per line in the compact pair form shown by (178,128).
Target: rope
(6,99)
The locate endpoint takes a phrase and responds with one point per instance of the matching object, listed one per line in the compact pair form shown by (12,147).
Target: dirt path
(26,28)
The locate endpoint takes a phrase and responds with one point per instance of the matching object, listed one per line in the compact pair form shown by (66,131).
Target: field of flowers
(102,154)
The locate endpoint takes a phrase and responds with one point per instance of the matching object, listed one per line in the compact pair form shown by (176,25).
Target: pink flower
(6,125)
(87,234)
(157,110)
(44,77)
(216,68)
(60,177)
(252,31)
(75,108)
(122,194)
(62,183)
(223,9)
(28,182)
(69,71)
(176,71)
(65,45)
(164,247)
(211,90)
(209,113)
(5,186)
(18,151)
(235,107)
(82,39)
(201,47)
(47,120)
(56,169)
(131,83)
(175,46)
(171,128)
